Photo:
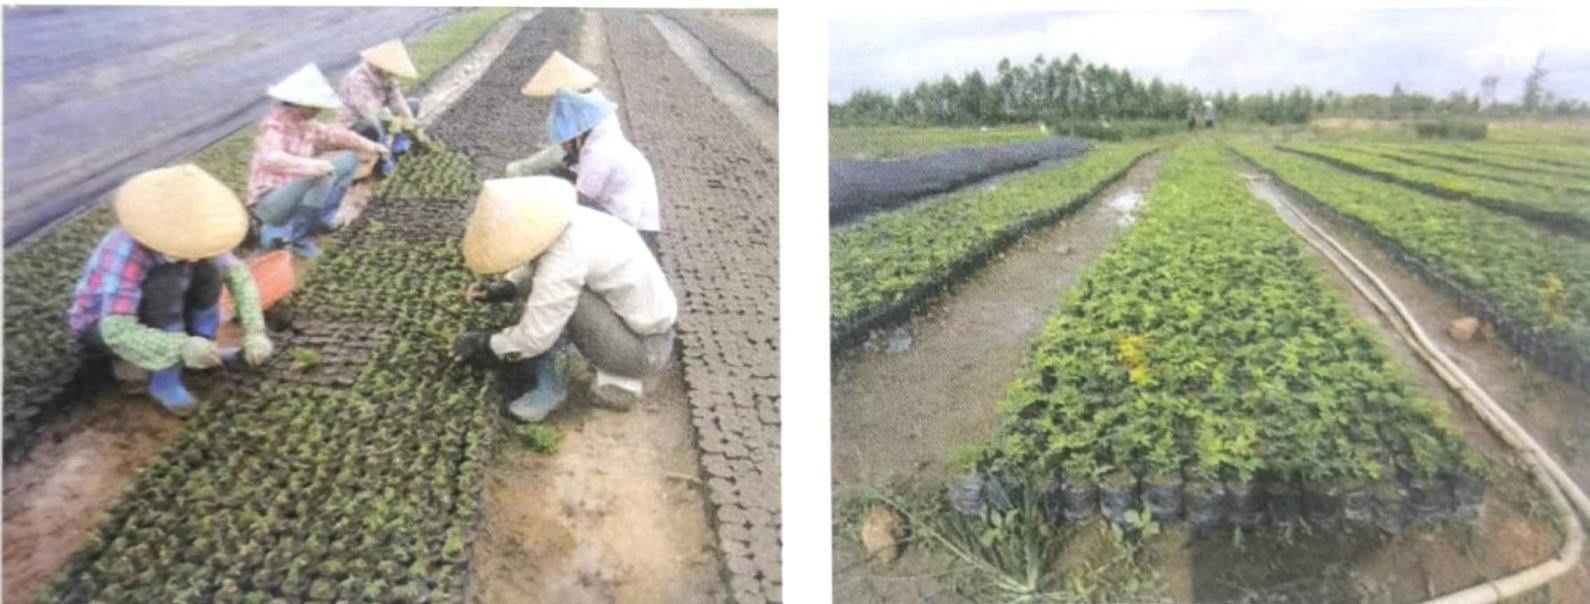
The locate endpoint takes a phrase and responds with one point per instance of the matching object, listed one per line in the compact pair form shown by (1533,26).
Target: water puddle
(1125,203)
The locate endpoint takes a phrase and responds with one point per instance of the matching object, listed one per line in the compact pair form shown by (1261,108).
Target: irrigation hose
(1566,496)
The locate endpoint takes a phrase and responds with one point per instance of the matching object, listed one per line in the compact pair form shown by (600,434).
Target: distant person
(584,278)
(1192,117)
(293,191)
(557,72)
(150,292)
(613,176)
(372,97)
(1209,114)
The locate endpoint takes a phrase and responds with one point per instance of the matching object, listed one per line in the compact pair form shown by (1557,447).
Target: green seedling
(541,438)
(304,359)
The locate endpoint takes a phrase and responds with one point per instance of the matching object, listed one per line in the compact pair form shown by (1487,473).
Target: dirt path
(616,514)
(908,399)
(762,28)
(720,242)
(752,110)
(456,79)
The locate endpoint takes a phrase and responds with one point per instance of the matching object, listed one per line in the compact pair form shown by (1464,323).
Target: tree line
(1056,90)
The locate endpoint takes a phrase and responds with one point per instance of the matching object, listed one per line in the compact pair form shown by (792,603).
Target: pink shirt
(287,144)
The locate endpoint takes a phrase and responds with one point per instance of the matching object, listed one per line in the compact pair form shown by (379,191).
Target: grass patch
(890,142)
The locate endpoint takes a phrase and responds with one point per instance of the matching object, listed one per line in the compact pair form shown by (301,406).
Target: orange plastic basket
(273,275)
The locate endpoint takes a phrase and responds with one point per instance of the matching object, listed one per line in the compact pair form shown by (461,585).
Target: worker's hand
(491,292)
(257,349)
(325,168)
(384,150)
(474,347)
(200,353)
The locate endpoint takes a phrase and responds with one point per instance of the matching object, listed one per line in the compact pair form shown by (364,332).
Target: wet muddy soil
(951,364)
(908,399)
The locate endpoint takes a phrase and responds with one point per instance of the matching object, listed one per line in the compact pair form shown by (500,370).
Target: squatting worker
(371,96)
(293,191)
(613,176)
(584,277)
(150,292)
(558,72)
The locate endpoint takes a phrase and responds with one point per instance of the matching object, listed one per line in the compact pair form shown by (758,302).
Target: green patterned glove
(245,300)
(148,348)
(257,349)
(200,353)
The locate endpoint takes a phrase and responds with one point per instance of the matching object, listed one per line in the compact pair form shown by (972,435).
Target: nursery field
(1209,407)
(1203,349)
(889,264)
(1532,283)
(894,142)
(362,463)
(1552,201)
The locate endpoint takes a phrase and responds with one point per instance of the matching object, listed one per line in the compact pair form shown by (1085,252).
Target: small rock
(1065,250)
(881,533)
(1463,329)
(1488,331)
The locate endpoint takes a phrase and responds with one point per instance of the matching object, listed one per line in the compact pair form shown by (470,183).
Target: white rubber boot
(616,391)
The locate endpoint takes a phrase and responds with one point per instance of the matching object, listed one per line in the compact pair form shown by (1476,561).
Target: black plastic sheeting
(97,94)
(857,188)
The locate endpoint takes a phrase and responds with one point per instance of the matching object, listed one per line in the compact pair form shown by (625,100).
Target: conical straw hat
(182,212)
(559,71)
(392,57)
(307,87)
(575,113)
(515,220)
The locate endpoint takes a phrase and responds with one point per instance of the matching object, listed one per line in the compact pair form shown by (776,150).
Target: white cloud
(1430,50)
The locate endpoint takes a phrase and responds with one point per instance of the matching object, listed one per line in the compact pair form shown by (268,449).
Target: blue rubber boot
(548,394)
(204,322)
(166,386)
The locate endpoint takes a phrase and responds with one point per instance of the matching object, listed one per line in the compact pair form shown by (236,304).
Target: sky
(1435,51)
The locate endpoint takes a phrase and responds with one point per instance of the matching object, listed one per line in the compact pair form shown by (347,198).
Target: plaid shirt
(364,93)
(113,277)
(286,146)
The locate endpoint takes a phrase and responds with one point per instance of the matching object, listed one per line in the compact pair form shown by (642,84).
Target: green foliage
(1451,128)
(1114,131)
(1527,199)
(887,258)
(541,438)
(304,359)
(1205,343)
(431,174)
(1504,260)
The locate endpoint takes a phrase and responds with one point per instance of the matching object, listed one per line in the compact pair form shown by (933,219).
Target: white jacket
(615,174)
(596,252)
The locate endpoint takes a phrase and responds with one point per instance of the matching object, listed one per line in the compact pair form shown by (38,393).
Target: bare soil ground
(762,28)
(617,514)
(910,397)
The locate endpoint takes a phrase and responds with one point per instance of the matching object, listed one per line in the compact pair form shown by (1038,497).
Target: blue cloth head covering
(573,113)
